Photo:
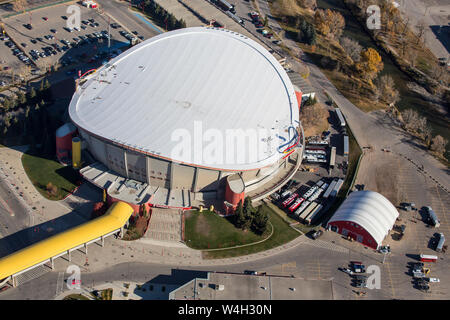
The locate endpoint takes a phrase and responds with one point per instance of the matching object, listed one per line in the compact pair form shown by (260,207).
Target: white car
(347,270)
(433,280)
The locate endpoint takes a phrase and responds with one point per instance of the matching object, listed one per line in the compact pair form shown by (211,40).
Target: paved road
(433,13)
(121,13)
(370,129)
(13,219)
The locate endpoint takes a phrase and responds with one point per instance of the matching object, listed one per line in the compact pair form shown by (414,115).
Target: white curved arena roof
(195,77)
(370,210)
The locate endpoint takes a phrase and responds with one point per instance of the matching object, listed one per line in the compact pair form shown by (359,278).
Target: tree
(248,213)
(266,21)
(19,5)
(329,23)
(351,47)
(319,20)
(32,93)
(388,93)
(239,215)
(259,223)
(410,119)
(307,32)
(438,145)
(52,190)
(308,4)
(370,63)
(21,98)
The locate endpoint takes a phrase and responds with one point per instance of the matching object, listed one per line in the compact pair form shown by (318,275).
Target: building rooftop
(166,88)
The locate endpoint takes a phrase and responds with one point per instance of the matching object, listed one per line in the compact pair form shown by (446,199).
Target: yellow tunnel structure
(55,246)
(76,152)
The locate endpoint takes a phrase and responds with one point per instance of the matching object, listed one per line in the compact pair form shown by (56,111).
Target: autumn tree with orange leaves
(370,64)
(329,23)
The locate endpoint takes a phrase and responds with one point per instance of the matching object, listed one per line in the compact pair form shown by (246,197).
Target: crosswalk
(32,274)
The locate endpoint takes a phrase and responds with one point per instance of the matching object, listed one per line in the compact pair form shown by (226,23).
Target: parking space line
(390,279)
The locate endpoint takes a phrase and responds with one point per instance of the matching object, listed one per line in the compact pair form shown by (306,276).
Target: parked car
(347,270)
(28,26)
(317,234)
(433,280)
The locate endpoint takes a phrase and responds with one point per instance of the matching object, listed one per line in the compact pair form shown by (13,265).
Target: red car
(45,18)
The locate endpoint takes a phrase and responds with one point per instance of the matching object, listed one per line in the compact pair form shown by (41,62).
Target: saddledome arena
(154,120)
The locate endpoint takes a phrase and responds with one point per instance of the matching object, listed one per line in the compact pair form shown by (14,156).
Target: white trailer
(340,117)
(302,207)
(346,146)
(333,157)
(308,210)
(336,188)
(314,213)
(330,188)
(441,242)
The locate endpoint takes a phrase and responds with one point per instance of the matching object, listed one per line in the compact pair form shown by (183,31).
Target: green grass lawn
(41,171)
(207,230)
(213,227)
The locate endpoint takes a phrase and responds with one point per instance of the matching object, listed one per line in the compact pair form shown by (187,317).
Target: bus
(296,204)
(302,207)
(289,200)
(428,258)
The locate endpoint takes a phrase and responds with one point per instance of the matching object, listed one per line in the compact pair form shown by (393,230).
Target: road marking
(145,20)
(390,279)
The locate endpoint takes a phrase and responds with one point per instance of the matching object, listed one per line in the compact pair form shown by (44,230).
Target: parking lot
(50,42)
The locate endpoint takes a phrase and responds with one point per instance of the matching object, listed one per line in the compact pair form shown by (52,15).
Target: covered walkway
(49,249)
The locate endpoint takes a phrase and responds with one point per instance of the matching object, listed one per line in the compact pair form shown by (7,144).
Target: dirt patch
(202,226)
(386,179)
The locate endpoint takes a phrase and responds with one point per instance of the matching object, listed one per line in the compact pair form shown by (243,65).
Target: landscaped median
(219,238)
(53,180)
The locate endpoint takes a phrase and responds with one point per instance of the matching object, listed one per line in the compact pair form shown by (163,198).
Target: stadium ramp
(65,242)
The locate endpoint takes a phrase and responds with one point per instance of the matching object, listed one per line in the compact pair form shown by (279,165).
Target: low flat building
(228,286)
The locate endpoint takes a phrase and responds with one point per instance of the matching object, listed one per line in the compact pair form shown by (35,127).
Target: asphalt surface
(308,261)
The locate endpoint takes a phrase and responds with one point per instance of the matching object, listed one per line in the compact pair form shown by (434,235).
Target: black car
(33,41)
(360,277)
(28,26)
